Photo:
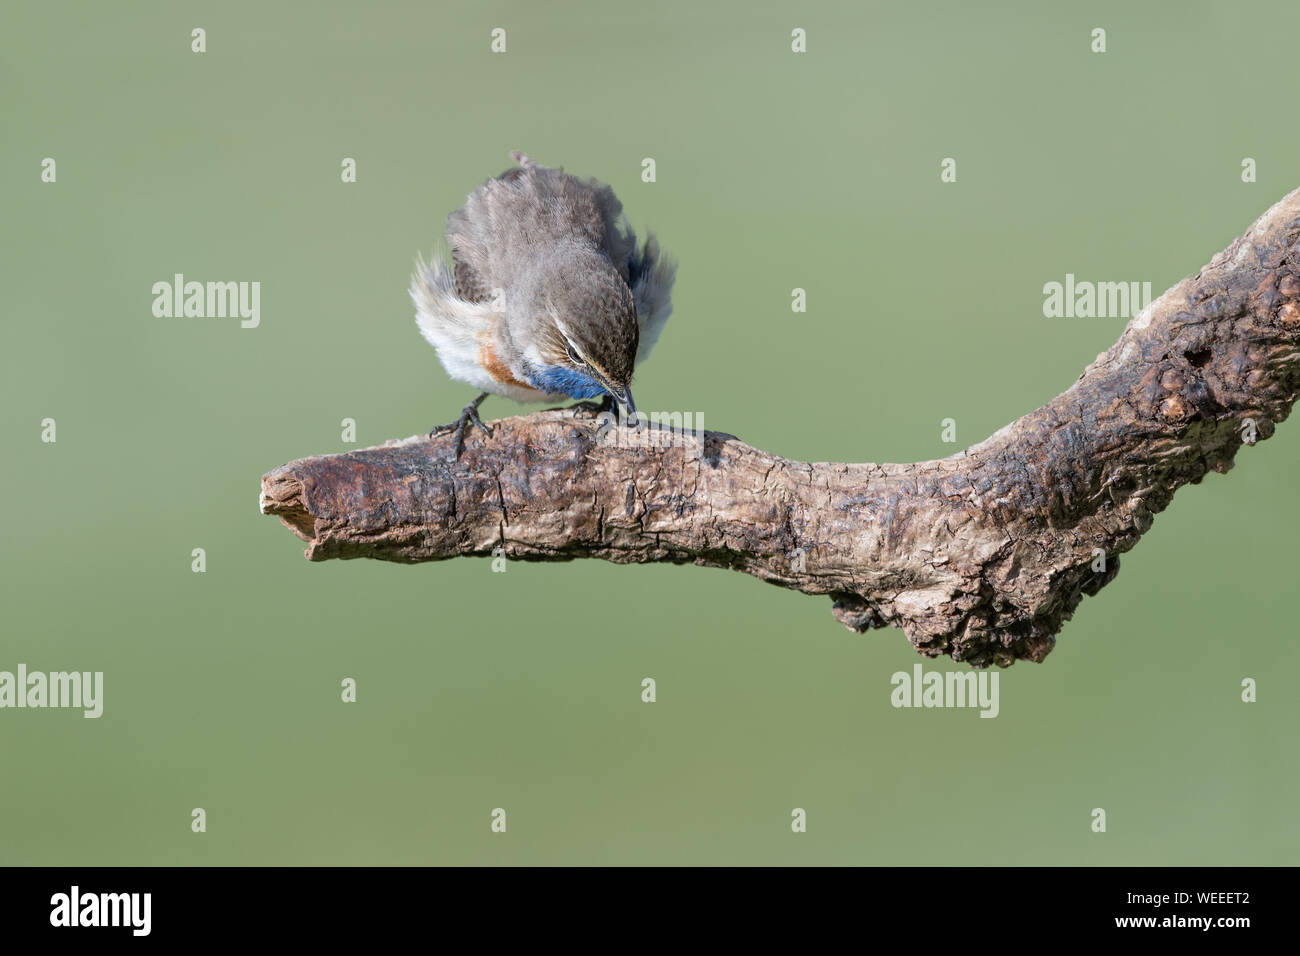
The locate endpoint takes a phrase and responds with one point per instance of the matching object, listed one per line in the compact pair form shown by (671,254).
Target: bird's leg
(596,408)
(468,414)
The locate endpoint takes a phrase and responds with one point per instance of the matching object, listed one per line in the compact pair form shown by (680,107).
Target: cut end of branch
(283,495)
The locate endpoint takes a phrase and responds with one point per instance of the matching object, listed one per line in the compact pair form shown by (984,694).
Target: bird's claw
(468,415)
(594,408)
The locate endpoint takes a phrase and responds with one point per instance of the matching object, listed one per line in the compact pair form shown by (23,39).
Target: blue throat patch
(557,378)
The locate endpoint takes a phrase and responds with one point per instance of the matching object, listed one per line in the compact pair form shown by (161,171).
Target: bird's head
(589,336)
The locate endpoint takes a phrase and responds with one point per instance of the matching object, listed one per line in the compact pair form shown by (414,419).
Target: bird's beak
(623,395)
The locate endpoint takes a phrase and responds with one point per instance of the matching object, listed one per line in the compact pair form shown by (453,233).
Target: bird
(546,295)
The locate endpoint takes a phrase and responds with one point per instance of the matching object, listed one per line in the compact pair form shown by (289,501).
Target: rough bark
(981,556)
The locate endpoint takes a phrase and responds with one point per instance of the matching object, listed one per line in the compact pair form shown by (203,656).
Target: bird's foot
(594,409)
(468,415)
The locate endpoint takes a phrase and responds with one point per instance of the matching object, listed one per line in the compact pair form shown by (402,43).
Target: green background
(522,690)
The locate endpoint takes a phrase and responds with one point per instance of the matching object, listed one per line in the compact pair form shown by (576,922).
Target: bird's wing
(470,283)
(482,233)
(469,237)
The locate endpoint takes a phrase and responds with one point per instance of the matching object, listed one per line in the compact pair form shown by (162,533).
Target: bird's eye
(574,356)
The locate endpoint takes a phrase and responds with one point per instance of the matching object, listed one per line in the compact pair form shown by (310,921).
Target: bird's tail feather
(651,274)
(443,317)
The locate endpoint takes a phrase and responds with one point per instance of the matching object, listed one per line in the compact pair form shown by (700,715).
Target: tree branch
(981,556)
